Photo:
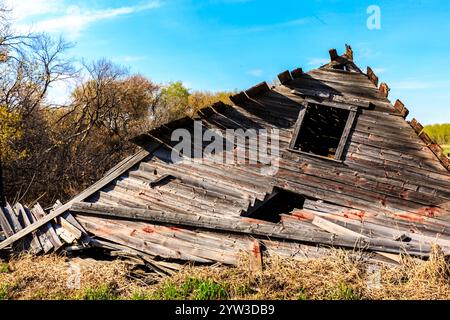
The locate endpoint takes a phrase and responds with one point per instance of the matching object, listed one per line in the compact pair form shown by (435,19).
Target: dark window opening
(340,66)
(281,202)
(322,130)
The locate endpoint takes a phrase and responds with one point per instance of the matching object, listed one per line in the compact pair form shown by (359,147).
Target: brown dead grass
(51,277)
(339,276)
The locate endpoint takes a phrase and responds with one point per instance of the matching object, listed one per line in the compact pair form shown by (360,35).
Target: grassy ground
(334,277)
(446,148)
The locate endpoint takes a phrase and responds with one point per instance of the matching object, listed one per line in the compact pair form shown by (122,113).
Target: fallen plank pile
(50,237)
(65,233)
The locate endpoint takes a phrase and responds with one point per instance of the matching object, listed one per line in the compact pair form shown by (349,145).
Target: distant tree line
(439,133)
(50,152)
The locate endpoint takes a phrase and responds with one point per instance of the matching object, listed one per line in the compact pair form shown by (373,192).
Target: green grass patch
(192,288)
(103,292)
(302,294)
(446,148)
(344,292)
(4,292)
(4,267)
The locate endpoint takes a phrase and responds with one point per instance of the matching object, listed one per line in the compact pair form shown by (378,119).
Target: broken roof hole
(277,203)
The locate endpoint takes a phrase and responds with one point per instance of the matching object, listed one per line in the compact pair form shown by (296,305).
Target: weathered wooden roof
(390,192)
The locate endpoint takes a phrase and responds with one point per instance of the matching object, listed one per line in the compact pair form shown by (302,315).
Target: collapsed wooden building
(347,171)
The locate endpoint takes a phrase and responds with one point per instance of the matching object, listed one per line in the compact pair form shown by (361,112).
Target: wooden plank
(257,90)
(333,54)
(384,89)
(248,226)
(298,124)
(296,73)
(285,77)
(239,98)
(13,218)
(4,224)
(328,77)
(35,245)
(400,107)
(48,229)
(372,76)
(337,229)
(345,133)
(256,258)
(416,126)
(426,138)
(70,228)
(65,235)
(426,232)
(85,238)
(42,233)
(114,173)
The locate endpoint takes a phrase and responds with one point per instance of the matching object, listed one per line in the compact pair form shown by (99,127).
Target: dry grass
(52,277)
(335,277)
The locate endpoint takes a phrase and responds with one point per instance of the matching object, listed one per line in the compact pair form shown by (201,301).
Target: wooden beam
(345,134)
(4,224)
(239,98)
(384,89)
(249,227)
(348,52)
(257,90)
(333,54)
(439,153)
(297,126)
(416,126)
(35,245)
(426,138)
(112,174)
(41,233)
(285,77)
(340,230)
(256,258)
(48,229)
(297,73)
(400,107)
(372,76)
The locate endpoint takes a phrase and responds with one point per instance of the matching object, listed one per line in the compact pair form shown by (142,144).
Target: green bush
(439,132)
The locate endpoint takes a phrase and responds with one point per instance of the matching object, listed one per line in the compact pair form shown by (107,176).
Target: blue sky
(234,44)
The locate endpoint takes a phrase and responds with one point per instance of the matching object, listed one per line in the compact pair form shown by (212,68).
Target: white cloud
(379,71)
(365,50)
(416,84)
(128,58)
(267,27)
(317,61)
(72,20)
(255,72)
(23,9)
